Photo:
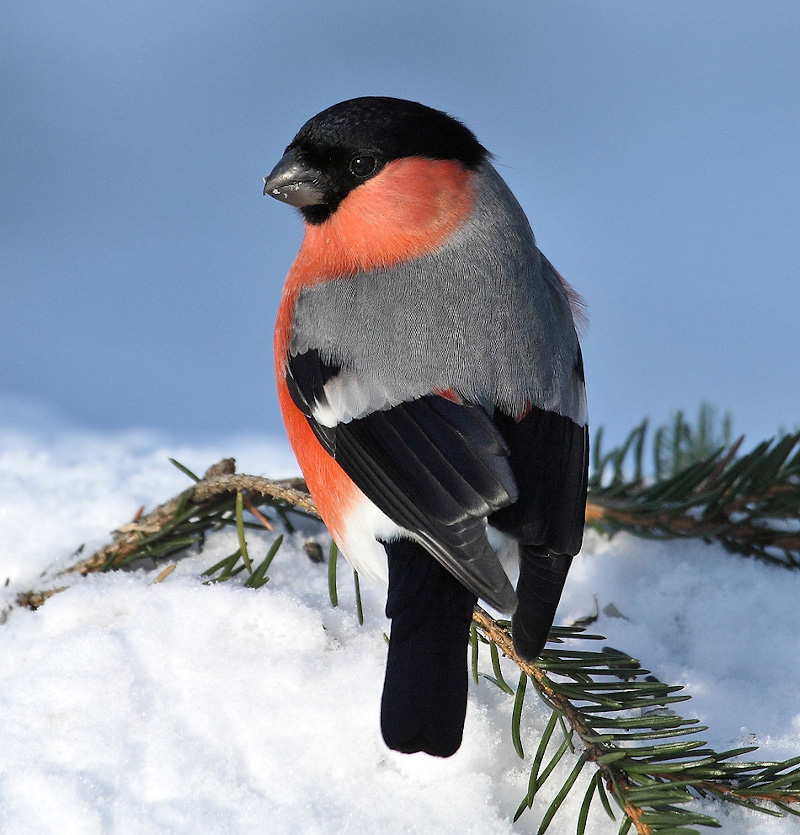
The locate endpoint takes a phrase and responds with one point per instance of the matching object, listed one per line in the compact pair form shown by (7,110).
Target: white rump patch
(365,524)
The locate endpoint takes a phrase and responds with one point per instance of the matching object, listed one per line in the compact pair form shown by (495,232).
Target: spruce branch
(183,521)
(750,504)
(617,717)
(639,745)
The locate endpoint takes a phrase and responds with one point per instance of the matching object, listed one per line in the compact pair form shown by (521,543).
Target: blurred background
(655,147)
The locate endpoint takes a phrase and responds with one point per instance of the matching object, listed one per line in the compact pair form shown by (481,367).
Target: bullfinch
(431,382)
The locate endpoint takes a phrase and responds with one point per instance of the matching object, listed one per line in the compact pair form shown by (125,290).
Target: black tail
(425,691)
(541,580)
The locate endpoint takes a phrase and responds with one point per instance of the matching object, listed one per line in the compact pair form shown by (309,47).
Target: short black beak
(294,183)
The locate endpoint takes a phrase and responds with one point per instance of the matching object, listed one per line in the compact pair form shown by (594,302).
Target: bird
(431,382)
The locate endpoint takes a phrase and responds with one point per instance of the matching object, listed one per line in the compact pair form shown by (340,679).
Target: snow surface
(133,707)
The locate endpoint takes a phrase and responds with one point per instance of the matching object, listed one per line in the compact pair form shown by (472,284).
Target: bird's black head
(352,141)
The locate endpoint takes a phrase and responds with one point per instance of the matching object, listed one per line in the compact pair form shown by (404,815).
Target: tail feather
(425,691)
(541,580)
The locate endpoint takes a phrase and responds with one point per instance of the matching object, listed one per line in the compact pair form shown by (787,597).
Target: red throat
(407,210)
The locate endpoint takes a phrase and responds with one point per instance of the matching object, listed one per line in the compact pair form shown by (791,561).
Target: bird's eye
(363,166)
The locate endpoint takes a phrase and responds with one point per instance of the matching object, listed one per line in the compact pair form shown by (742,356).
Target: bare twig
(285,490)
(219,480)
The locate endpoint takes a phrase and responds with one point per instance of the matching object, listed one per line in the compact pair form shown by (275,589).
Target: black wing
(435,467)
(549,455)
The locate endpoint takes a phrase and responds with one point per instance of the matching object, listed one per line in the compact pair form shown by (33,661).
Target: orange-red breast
(431,382)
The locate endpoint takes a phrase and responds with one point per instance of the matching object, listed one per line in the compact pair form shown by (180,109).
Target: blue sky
(655,147)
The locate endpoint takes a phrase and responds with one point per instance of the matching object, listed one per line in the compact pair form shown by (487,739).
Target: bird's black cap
(348,143)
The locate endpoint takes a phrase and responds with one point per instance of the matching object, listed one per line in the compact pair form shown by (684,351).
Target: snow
(176,707)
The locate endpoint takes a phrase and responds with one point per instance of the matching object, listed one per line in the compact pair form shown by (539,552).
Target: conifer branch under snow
(612,713)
